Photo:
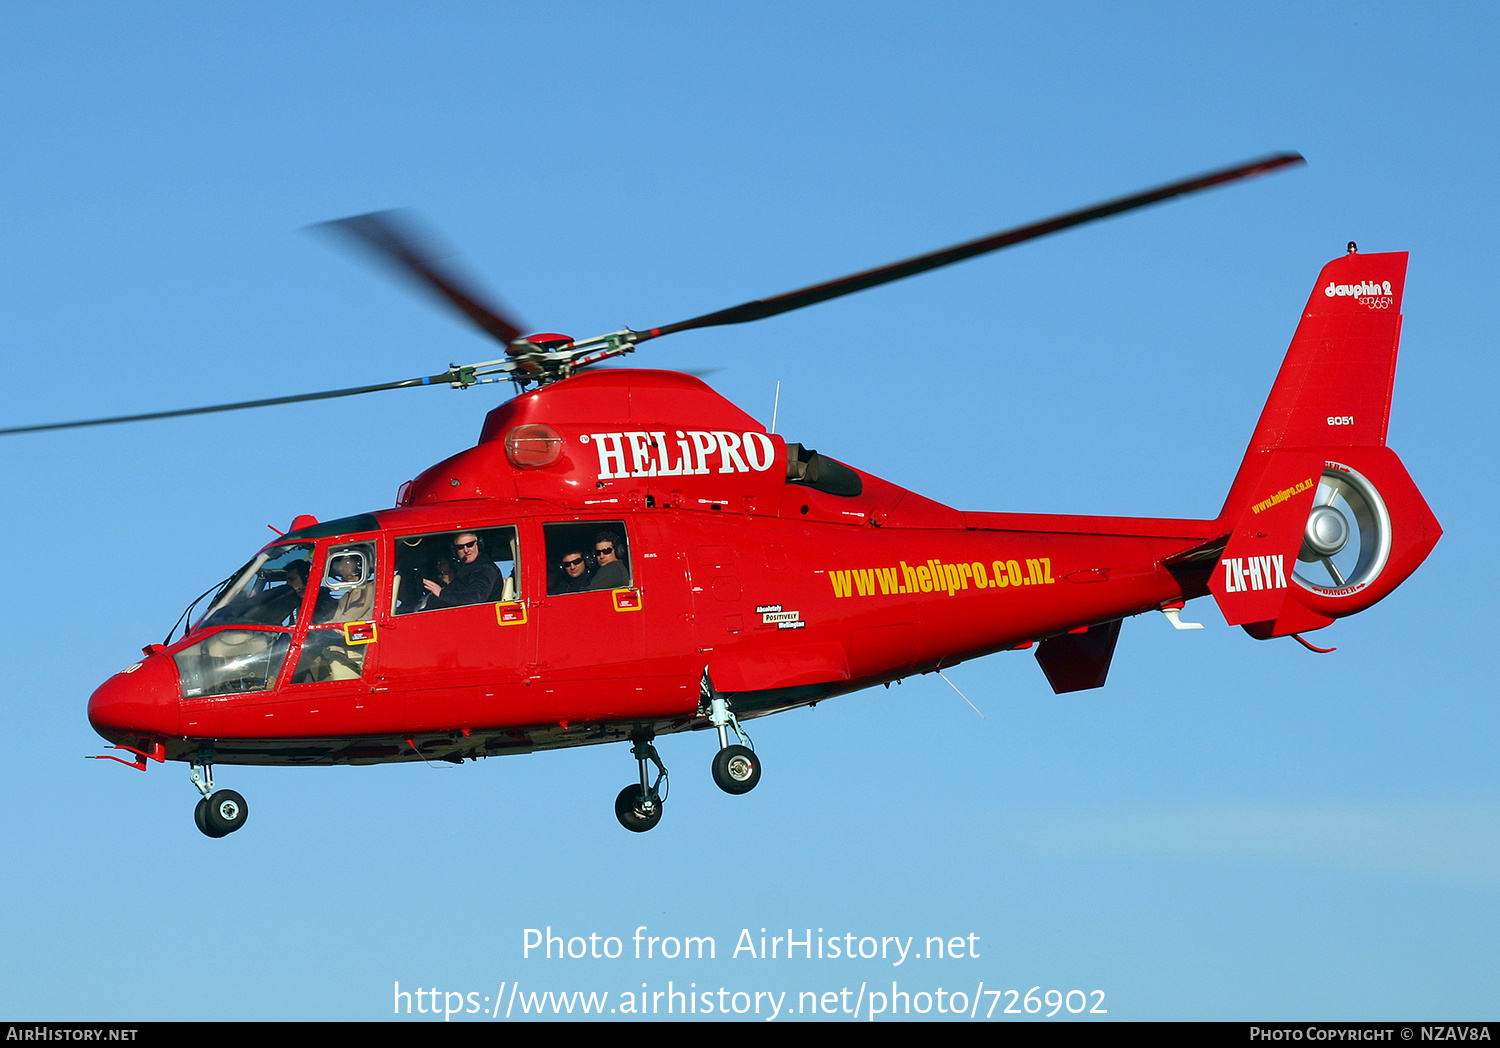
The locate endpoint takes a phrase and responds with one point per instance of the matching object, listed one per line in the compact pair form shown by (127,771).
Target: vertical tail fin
(1324,519)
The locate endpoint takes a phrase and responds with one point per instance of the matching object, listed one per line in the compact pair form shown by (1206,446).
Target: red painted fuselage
(753,570)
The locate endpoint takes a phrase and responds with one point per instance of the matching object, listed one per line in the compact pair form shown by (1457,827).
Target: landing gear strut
(736,769)
(638,807)
(220,812)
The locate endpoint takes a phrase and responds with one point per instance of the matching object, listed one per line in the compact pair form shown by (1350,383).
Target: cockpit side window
(347,592)
(452,569)
(587,555)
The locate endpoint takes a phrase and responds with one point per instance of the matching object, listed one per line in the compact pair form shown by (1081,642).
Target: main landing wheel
(635,812)
(736,769)
(221,814)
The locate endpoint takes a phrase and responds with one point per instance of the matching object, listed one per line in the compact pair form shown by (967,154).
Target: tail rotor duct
(1347,539)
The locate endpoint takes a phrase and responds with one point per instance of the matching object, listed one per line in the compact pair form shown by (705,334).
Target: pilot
(475,577)
(353,605)
(575,573)
(273,607)
(609,552)
(296,582)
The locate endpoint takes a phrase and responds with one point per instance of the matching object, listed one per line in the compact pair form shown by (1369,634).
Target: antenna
(776,406)
(961,695)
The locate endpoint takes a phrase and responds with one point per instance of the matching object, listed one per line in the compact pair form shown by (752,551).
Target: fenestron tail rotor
(1347,539)
(539,359)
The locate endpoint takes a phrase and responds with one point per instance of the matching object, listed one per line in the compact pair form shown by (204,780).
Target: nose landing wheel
(220,812)
(636,811)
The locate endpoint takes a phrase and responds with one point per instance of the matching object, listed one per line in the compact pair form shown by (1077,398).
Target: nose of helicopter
(141,700)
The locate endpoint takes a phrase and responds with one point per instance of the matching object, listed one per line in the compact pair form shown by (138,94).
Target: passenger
(475,578)
(348,595)
(575,573)
(612,572)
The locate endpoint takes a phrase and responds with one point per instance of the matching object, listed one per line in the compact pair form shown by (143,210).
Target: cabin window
(587,555)
(452,569)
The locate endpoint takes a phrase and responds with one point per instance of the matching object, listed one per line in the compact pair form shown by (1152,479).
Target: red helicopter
(625,554)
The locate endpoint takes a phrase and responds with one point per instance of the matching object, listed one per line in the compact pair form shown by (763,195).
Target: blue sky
(1228,830)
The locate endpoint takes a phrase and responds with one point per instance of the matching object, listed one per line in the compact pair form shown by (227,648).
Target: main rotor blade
(770,307)
(392,236)
(240,406)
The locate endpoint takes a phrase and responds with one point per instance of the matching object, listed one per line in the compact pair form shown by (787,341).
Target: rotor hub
(549,341)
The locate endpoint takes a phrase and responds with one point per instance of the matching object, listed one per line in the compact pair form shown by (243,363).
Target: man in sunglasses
(612,572)
(575,577)
(475,578)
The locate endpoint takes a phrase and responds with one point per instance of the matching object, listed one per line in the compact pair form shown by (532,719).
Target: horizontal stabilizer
(1078,661)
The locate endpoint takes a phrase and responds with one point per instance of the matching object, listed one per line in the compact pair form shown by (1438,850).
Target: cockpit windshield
(266,592)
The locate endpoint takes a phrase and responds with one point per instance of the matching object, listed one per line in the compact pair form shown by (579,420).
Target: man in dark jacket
(612,572)
(475,578)
(575,573)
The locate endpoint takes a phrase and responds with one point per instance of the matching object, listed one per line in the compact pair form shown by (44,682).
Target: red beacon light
(533,446)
